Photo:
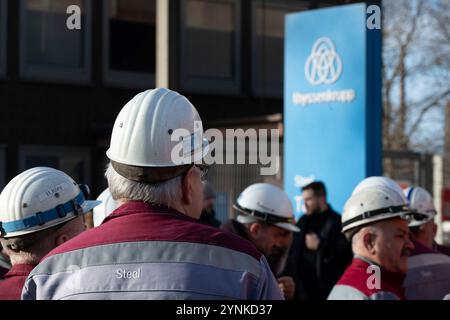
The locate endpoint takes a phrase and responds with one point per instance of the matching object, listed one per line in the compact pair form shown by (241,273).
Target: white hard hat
(107,206)
(419,200)
(374,199)
(141,143)
(40,198)
(377,182)
(268,203)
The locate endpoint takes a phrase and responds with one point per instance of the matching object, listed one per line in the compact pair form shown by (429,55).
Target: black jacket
(209,218)
(316,272)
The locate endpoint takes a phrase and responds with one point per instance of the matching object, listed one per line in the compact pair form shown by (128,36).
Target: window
(3,16)
(49,50)
(75,161)
(268,46)
(210,37)
(129,48)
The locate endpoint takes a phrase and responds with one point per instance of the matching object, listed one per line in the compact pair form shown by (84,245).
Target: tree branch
(425,109)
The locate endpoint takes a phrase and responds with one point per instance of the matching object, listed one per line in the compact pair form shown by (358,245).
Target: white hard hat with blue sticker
(40,198)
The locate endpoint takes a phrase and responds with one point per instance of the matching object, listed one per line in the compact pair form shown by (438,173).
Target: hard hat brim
(288,226)
(387,216)
(418,223)
(88,205)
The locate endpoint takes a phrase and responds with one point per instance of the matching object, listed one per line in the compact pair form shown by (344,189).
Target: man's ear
(369,242)
(60,239)
(186,186)
(255,229)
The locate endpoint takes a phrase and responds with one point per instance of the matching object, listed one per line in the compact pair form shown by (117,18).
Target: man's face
(208,205)
(312,203)
(429,230)
(273,242)
(393,245)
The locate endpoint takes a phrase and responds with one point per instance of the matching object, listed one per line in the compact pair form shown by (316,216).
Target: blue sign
(332,101)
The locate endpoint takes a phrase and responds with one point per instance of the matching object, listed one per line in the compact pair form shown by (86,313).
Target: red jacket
(353,284)
(11,287)
(441,248)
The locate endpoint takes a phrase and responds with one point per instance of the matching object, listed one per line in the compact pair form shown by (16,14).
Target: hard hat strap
(377,212)
(40,218)
(149,174)
(267,217)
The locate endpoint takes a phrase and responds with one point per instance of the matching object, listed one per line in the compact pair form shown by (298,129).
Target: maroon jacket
(11,287)
(441,248)
(143,251)
(428,275)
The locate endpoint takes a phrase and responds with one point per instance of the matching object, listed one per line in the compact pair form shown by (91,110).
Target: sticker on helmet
(53,191)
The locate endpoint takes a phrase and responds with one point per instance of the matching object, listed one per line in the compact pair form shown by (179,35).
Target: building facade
(61,87)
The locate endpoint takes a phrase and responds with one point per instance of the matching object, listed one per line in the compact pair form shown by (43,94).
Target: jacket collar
(20,270)
(133,207)
(392,279)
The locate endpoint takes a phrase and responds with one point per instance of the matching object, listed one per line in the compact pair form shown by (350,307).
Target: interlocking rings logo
(323,66)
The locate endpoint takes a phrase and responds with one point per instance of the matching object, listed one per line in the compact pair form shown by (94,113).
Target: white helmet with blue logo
(40,198)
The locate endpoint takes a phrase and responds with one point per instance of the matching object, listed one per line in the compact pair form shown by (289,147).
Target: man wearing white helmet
(265,217)
(40,209)
(428,275)
(153,246)
(375,219)
(424,231)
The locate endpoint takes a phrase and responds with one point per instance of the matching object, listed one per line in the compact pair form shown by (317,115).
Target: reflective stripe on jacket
(428,276)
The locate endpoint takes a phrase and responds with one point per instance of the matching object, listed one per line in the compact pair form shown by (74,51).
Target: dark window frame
(123,79)
(80,153)
(212,85)
(271,89)
(59,74)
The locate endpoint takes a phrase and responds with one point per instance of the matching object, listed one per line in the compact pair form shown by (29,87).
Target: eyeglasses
(203,170)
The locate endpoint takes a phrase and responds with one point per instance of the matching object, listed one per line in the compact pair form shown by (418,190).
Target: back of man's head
(39,209)
(32,247)
(156,151)
(166,192)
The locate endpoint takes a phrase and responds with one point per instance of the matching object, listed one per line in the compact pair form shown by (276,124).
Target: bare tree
(416,72)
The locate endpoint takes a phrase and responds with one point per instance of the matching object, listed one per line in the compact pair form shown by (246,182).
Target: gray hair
(165,193)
